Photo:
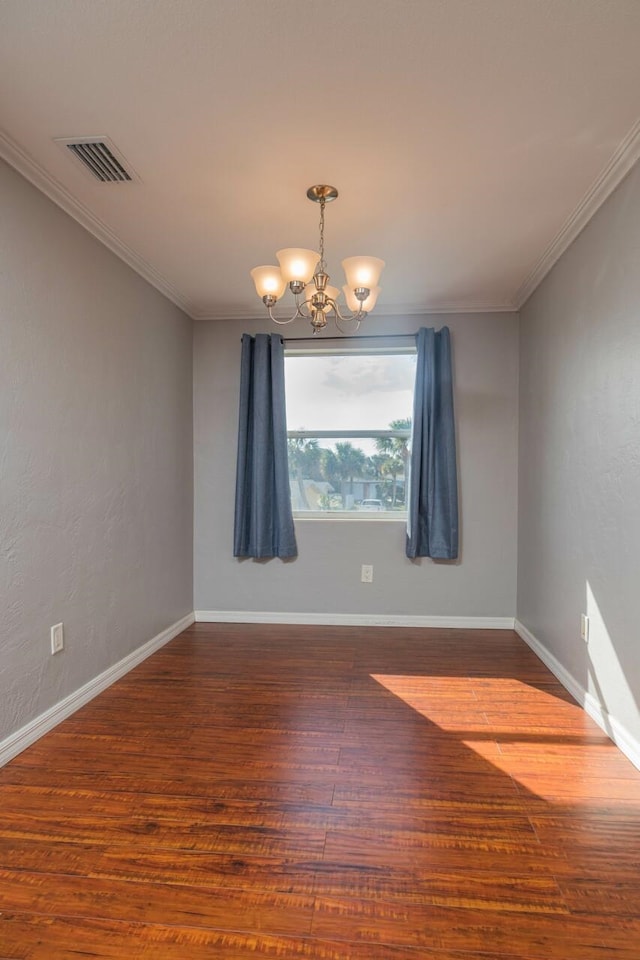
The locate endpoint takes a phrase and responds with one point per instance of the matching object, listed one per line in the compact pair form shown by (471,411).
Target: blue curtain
(263,525)
(432,524)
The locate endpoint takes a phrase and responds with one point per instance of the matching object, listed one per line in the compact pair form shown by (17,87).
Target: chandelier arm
(299,314)
(360,315)
(282,322)
(338,317)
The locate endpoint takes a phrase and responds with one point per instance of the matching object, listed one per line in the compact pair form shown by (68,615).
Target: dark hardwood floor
(326,793)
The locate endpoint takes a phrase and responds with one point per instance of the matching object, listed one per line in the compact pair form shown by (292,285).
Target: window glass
(349,424)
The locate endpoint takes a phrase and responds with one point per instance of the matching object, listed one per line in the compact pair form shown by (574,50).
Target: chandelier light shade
(362,271)
(269,282)
(297,264)
(305,272)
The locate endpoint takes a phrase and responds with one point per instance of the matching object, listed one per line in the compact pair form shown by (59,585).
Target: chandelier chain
(323,266)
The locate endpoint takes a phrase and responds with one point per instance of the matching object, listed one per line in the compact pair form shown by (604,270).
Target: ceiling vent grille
(99,156)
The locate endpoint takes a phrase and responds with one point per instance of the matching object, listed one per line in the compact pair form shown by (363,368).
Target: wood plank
(186,786)
(33,937)
(206,870)
(482,889)
(221,908)
(168,835)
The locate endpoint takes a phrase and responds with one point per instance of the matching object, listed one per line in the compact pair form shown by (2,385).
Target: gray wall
(326,576)
(579,499)
(95,456)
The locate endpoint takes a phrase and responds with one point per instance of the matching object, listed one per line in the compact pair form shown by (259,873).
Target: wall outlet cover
(57,638)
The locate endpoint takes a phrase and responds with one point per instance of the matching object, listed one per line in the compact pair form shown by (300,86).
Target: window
(349,427)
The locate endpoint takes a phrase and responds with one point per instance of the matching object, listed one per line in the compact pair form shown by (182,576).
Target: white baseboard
(354,619)
(23,738)
(612,727)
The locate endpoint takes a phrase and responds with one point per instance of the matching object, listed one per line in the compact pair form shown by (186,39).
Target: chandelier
(305,272)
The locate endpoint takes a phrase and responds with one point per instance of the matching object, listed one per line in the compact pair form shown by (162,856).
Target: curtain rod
(364,336)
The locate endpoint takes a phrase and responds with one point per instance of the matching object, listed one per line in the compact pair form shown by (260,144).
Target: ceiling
(470,140)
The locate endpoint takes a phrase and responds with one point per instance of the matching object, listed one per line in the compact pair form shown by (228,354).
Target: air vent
(99,156)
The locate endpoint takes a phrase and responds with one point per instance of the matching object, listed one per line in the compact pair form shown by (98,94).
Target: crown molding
(444,306)
(25,165)
(624,158)
(391,310)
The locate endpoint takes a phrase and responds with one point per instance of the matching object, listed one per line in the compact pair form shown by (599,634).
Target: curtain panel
(263,522)
(432,524)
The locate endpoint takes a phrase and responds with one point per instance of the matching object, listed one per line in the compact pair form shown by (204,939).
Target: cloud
(356,376)
(351,392)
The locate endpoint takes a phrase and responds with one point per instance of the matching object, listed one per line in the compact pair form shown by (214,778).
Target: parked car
(371,505)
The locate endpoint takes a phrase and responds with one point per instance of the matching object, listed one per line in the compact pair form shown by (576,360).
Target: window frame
(389,348)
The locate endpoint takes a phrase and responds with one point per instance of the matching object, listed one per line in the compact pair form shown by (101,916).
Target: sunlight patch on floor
(531,734)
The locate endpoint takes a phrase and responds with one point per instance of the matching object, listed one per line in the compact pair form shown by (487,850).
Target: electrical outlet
(57,638)
(584,627)
(366,575)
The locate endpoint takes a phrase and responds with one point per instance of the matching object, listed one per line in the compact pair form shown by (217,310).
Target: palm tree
(350,462)
(392,467)
(396,448)
(304,463)
(329,470)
